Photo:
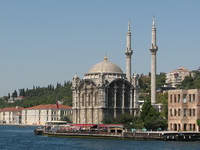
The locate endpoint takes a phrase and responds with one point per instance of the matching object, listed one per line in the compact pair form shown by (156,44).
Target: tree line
(40,95)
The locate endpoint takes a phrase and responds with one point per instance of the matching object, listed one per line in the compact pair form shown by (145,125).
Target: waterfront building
(105,91)
(11,115)
(176,76)
(39,115)
(36,115)
(183,110)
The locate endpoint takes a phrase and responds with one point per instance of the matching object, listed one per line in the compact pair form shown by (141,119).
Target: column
(153,78)
(131,101)
(123,96)
(115,101)
(79,107)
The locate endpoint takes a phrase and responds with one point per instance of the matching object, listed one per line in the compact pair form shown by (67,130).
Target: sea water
(23,138)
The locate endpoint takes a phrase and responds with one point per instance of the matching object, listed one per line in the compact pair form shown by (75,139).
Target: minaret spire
(128,53)
(153,43)
(153,51)
(153,23)
(129,26)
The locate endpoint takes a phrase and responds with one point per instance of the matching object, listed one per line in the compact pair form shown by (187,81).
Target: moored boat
(39,131)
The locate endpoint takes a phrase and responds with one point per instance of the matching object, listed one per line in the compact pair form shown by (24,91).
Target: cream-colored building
(11,115)
(105,92)
(36,115)
(175,77)
(39,115)
(183,110)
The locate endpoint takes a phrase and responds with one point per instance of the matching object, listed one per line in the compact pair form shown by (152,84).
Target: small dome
(105,67)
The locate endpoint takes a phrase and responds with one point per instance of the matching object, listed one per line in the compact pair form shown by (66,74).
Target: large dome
(105,67)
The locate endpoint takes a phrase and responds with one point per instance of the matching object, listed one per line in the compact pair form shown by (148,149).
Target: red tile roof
(11,109)
(50,106)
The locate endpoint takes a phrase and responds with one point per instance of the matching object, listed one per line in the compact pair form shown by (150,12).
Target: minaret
(128,53)
(153,51)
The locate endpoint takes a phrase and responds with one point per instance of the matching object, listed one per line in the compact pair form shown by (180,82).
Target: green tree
(14,94)
(152,119)
(137,123)
(160,80)
(198,122)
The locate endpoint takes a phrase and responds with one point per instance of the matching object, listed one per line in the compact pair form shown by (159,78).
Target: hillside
(40,95)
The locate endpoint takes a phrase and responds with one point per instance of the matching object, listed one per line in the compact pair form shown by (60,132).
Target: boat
(39,131)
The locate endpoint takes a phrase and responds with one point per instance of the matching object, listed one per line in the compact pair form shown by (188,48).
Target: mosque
(105,91)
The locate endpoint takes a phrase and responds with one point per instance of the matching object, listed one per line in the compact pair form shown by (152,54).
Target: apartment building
(183,110)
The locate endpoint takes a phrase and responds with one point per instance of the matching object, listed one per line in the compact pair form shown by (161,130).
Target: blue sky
(48,41)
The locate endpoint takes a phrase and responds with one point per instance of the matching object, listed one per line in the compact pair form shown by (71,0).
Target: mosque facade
(105,92)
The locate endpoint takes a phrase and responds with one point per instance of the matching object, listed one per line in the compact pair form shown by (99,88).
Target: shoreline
(21,125)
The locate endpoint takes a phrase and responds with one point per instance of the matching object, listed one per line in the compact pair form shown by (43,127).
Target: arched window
(95,99)
(83,99)
(88,99)
(175,127)
(179,112)
(171,112)
(174,112)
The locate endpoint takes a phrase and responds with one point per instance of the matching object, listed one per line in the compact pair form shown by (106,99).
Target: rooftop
(11,109)
(50,106)
(105,66)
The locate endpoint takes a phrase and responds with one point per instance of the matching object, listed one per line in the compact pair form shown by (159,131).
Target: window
(184,98)
(194,127)
(184,112)
(190,127)
(185,127)
(190,98)
(171,98)
(190,112)
(193,97)
(194,112)
(174,98)
(83,99)
(175,112)
(96,96)
(179,127)
(39,114)
(179,112)
(179,97)
(88,99)
(171,112)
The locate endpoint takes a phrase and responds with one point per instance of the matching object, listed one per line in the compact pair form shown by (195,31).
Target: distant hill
(40,95)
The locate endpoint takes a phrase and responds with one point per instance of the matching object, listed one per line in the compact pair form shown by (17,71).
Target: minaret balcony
(128,52)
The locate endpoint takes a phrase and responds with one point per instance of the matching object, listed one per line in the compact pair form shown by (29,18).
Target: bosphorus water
(22,138)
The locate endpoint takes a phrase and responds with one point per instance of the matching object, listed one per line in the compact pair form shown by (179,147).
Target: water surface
(18,138)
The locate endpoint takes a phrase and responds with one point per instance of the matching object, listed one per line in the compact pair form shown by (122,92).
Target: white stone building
(175,77)
(105,91)
(39,115)
(36,115)
(11,115)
